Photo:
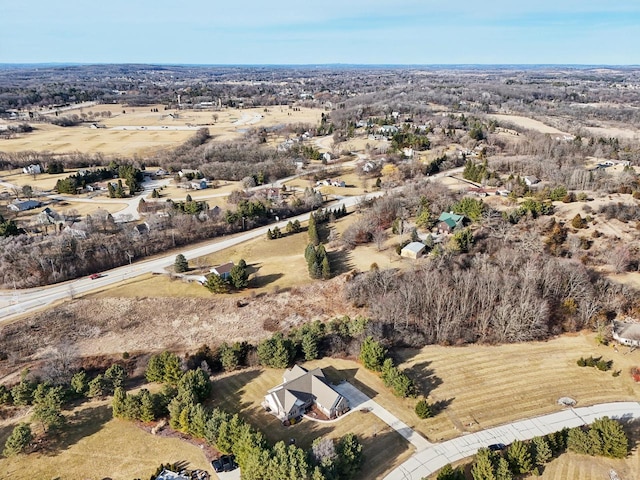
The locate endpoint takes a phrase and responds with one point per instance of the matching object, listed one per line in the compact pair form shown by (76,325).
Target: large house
(626,333)
(449,222)
(301,390)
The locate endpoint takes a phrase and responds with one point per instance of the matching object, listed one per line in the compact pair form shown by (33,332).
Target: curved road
(432,458)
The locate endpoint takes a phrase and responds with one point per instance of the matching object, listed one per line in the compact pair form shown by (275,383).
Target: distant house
(327,157)
(301,390)
(223,270)
(449,222)
(531,180)
(413,250)
(49,217)
(141,229)
(24,206)
(33,169)
(188,171)
(407,152)
(200,184)
(75,232)
(388,129)
(626,333)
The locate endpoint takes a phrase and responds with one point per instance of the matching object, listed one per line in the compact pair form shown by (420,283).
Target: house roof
(222,269)
(301,386)
(415,247)
(627,330)
(26,205)
(450,219)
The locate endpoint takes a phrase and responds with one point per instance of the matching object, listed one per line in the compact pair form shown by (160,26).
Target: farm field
(528,123)
(243,391)
(93,445)
(123,133)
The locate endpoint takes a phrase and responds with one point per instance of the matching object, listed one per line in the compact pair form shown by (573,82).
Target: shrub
(423,409)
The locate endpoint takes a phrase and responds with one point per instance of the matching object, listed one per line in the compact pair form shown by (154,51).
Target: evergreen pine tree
(326,268)
(312,231)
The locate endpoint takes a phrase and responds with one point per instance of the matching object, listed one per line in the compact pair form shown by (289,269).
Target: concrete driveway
(359,401)
(427,461)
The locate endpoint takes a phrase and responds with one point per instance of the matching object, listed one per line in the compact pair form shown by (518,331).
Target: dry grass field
(528,123)
(93,445)
(123,133)
(571,466)
(383,448)
(274,264)
(484,386)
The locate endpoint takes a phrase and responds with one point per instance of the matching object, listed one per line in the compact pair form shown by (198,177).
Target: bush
(19,439)
(423,409)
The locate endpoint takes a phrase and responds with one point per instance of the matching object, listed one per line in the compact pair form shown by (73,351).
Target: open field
(274,265)
(383,448)
(484,386)
(93,445)
(123,133)
(526,122)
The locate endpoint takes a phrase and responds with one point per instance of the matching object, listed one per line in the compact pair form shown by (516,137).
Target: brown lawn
(93,445)
(484,386)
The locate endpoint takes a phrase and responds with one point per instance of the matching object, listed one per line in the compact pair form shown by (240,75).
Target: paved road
(21,301)
(17,302)
(429,460)
(359,401)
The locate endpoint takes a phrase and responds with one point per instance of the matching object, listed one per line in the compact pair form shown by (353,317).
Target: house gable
(300,390)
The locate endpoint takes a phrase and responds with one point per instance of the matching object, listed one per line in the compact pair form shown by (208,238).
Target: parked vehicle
(217,465)
(496,447)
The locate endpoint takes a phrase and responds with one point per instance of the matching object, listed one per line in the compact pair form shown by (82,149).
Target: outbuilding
(413,250)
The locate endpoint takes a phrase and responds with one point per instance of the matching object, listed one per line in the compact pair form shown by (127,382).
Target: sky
(602,32)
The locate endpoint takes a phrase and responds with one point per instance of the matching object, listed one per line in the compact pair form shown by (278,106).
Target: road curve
(431,459)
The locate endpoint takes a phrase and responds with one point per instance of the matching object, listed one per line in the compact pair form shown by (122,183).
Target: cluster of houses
(331,183)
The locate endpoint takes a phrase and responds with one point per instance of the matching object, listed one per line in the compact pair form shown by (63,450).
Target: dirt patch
(108,326)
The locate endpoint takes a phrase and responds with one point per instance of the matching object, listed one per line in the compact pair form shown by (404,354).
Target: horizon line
(333,64)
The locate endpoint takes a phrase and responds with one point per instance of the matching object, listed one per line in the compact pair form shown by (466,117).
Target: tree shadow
(632,429)
(232,387)
(264,280)
(5,431)
(340,261)
(440,405)
(424,377)
(380,452)
(336,376)
(83,423)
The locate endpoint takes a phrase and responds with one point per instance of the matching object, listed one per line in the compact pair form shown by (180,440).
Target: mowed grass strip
(93,445)
(244,391)
(484,386)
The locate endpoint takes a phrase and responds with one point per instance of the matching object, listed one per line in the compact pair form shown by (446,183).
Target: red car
(93,276)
